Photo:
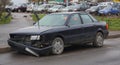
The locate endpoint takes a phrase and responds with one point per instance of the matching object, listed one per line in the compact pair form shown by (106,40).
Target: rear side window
(74,20)
(86,19)
(95,20)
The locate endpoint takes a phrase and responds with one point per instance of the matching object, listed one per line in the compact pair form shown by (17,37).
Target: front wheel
(99,39)
(57,46)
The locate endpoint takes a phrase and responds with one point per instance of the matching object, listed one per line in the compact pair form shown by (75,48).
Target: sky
(19,1)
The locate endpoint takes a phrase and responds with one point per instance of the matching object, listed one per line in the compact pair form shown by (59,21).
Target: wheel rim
(58,46)
(100,40)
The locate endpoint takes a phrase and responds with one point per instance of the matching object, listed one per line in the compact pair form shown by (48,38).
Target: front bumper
(22,48)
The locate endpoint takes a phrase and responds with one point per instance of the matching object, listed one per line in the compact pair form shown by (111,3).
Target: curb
(5,49)
(113,36)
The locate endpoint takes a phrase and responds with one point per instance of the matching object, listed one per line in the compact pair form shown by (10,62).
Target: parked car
(55,8)
(30,7)
(8,7)
(94,9)
(84,6)
(54,31)
(22,8)
(105,3)
(117,5)
(109,10)
(14,8)
(67,9)
(43,8)
(70,8)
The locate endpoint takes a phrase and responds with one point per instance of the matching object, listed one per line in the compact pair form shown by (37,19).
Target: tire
(99,39)
(57,46)
(19,10)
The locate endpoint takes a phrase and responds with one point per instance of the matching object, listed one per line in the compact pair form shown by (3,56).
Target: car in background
(67,9)
(8,8)
(109,10)
(77,7)
(22,8)
(94,9)
(70,8)
(55,8)
(57,30)
(43,8)
(105,3)
(117,5)
(30,7)
(84,6)
(14,8)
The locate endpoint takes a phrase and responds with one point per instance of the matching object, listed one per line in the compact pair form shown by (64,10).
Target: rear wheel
(99,39)
(57,46)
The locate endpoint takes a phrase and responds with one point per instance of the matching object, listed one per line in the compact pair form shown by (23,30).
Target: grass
(113,21)
(3,20)
(40,16)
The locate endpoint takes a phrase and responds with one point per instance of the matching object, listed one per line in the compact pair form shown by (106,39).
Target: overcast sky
(19,1)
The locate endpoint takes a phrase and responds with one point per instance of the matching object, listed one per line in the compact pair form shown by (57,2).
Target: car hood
(32,30)
(54,9)
(65,9)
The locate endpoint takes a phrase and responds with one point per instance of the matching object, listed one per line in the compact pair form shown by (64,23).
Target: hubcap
(100,40)
(58,47)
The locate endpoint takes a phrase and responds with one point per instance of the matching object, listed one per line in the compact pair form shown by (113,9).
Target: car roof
(81,12)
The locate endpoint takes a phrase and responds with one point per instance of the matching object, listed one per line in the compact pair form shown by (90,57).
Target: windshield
(53,20)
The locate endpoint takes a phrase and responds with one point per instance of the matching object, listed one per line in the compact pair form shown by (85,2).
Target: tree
(3,4)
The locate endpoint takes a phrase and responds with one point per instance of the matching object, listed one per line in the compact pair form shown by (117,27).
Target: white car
(105,3)
(55,8)
(30,7)
(43,8)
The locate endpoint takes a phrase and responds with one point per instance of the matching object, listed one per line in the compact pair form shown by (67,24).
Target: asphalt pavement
(109,54)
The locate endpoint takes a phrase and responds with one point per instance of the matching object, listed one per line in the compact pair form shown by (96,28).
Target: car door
(89,27)
(114,11)
(75,30)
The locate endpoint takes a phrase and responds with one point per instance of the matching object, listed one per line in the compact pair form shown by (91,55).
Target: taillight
(107,26)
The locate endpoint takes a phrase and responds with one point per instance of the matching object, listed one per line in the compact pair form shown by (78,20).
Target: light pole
(67,2)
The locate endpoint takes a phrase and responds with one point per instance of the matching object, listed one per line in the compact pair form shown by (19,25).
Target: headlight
(35,37)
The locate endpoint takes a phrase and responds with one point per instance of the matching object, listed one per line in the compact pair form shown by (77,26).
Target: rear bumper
(22,48)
